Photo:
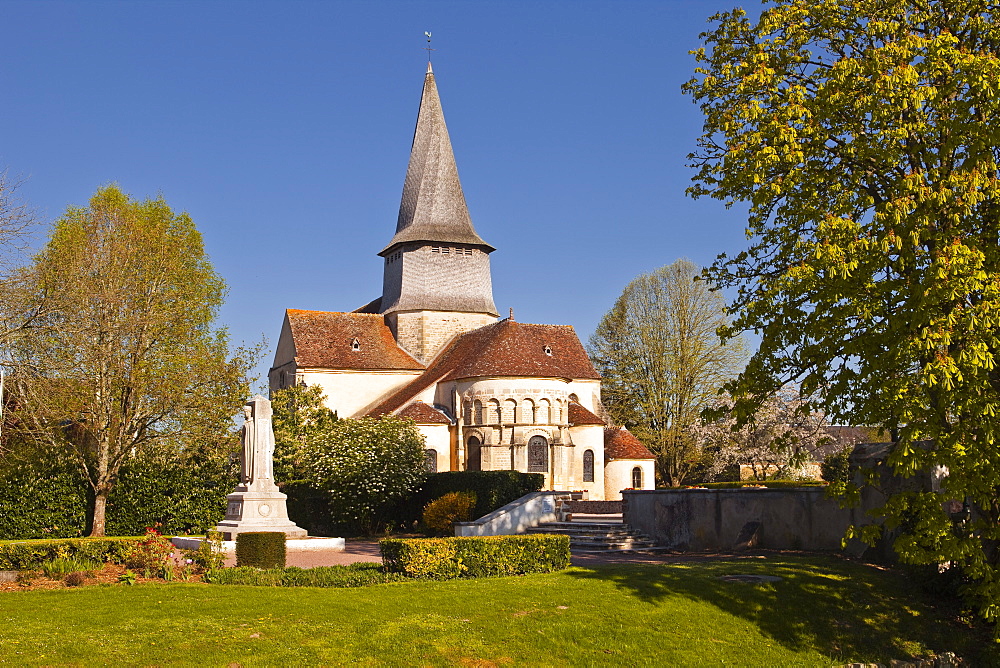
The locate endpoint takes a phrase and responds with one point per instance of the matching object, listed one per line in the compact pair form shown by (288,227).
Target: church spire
(433,206)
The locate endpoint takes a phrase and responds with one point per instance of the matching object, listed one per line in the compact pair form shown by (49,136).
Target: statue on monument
(257,438)
(257,504)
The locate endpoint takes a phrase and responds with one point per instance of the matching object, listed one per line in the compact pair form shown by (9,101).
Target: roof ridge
(348,313)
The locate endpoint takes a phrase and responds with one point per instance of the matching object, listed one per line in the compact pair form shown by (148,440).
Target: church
(488,394)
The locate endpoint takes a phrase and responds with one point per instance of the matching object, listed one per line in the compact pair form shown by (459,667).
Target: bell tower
(436,280)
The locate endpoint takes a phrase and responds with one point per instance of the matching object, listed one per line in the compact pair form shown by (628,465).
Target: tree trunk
(100,508)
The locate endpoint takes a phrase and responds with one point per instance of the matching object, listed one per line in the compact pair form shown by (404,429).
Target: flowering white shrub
(365,465)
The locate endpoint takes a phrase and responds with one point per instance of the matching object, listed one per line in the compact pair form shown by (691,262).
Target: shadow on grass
(842,609)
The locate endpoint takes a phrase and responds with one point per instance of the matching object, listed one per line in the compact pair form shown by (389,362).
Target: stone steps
(597,536)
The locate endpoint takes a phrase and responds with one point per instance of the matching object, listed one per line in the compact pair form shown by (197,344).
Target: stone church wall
(424,333)
(352,393)
(618,476)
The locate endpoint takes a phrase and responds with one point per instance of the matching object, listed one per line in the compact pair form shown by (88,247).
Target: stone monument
(257,504)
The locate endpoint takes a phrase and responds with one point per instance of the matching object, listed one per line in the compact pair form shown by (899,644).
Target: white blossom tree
(365,465)
(782,435)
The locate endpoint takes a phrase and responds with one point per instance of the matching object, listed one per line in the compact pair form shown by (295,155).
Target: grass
(823,611)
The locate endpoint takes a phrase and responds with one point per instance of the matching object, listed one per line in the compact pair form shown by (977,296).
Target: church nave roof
(333,340)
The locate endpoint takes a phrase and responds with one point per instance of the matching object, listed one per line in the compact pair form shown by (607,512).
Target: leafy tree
(365,465)
(130,360)
(300,417)
(863,137)
(783,434)
(663,362)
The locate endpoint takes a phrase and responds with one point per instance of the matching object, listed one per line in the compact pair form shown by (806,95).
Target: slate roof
(619,443)
(421,413)
(324,339)
(374,306)
(433,205)
(580,415)
(503,349)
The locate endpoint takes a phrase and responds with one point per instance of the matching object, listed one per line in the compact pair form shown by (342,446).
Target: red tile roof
(324,339)
(421,413)
(619,443)
(580,415)
(503,349)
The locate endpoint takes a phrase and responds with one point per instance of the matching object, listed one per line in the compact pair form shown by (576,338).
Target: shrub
(74,579)
(478,556)
(492,489)
(261,549)
(32,554)
(350,575)
(209,554)
(441,514)
(365,465)
(152,552)
(836,466)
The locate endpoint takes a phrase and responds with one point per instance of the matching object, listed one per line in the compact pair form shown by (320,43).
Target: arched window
(477,408)
(494,416)
(588,466)
(575,399)
(637,478)
(474,454)
(431,460)
(538,455)
(467,409)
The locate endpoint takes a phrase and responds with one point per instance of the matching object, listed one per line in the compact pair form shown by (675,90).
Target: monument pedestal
(257,510)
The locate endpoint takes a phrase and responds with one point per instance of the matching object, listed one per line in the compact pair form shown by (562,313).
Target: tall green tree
(663,362)
(131,358)
(863,136)
(300,417)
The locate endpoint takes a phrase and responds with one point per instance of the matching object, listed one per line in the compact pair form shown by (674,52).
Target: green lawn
(822,612)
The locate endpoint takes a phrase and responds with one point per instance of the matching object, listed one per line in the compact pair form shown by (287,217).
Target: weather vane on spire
(428,48)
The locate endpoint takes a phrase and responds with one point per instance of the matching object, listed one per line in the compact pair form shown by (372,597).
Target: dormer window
(355,344)
(548,350)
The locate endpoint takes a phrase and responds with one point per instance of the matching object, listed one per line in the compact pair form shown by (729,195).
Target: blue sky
(284,129)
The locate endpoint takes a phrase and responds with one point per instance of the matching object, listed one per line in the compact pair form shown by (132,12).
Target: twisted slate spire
(433,206)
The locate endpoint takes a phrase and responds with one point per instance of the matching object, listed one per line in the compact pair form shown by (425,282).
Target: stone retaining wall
(728,519)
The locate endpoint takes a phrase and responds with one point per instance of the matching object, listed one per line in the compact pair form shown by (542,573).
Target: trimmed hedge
(475,556)
(350,575)
(19,556)
(53,501)
(182,497)
(261,549)
(42,502)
